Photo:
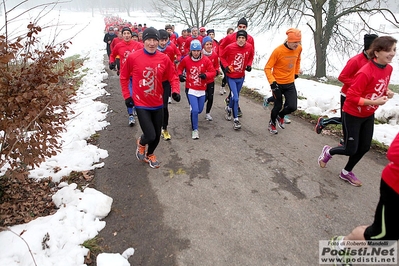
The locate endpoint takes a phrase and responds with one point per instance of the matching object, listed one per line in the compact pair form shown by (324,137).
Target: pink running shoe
(351,178)
(324,156)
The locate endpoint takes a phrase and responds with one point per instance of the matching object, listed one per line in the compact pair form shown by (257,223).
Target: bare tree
(194,12)
(125,5)
(326,19)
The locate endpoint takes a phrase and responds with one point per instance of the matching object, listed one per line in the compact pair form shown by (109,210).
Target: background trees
(328,21)
(195,12)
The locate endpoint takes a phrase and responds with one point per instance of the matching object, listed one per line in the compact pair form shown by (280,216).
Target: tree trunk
(320,63)
(320,48)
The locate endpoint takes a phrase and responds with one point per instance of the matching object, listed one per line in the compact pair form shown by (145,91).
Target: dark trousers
(386,220)
(150,123)
(166,94)
(210,90)
(358,135)
(290,105)
(224,80)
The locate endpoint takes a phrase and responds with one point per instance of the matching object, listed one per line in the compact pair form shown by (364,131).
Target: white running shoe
(228,113)
(132,121)
(195,134)
(237,125)
(222,90)
(208,117)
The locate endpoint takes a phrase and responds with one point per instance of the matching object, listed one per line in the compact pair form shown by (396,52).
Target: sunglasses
(242,27)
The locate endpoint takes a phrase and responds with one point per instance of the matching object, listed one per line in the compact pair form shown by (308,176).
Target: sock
(235,119)
(344,172)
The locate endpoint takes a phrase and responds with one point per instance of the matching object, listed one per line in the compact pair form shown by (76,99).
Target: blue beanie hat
(195,45)
(206,39)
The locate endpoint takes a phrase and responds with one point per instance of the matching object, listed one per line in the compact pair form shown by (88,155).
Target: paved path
(232,197)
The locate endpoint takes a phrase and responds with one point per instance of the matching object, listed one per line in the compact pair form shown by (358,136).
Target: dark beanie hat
(163,34)
(150,33)
(368,39)
(242,33)
(126,29)
(210,31)
(242,21)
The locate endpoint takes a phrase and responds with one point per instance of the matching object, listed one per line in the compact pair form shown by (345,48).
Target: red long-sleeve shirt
(239,57)
(172,52)
(215,47)
(232,38)
(215,62)
(390,174)
(147,72)
(123,49)
(115,42)
(194,69)
(371,82)
(190,39)
(347,75)
(181,44)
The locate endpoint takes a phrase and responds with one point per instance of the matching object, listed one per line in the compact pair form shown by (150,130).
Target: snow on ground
(57,239)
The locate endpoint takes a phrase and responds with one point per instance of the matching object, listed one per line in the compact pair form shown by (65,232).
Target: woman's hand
(390,94)
(381,101)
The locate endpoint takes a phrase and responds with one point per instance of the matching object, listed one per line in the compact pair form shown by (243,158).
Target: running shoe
(165,134)
(239,114)
(351,178)
(324,156)
(280,122)
(319,125)
(228,113)
(132,121)
(287,119)
(272,128)
(237,125)
(151,159)
(208,117)
(140,151)
(265,102)
(195,134)
(226,101)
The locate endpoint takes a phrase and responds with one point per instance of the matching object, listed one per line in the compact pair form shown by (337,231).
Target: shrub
(34,97)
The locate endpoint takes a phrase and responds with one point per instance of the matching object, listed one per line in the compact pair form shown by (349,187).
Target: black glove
(274,86)
(202,76)
(248,68)
(229,69)
(182,78)
(296,76)
(129,102)
(112,66)
(176,96)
